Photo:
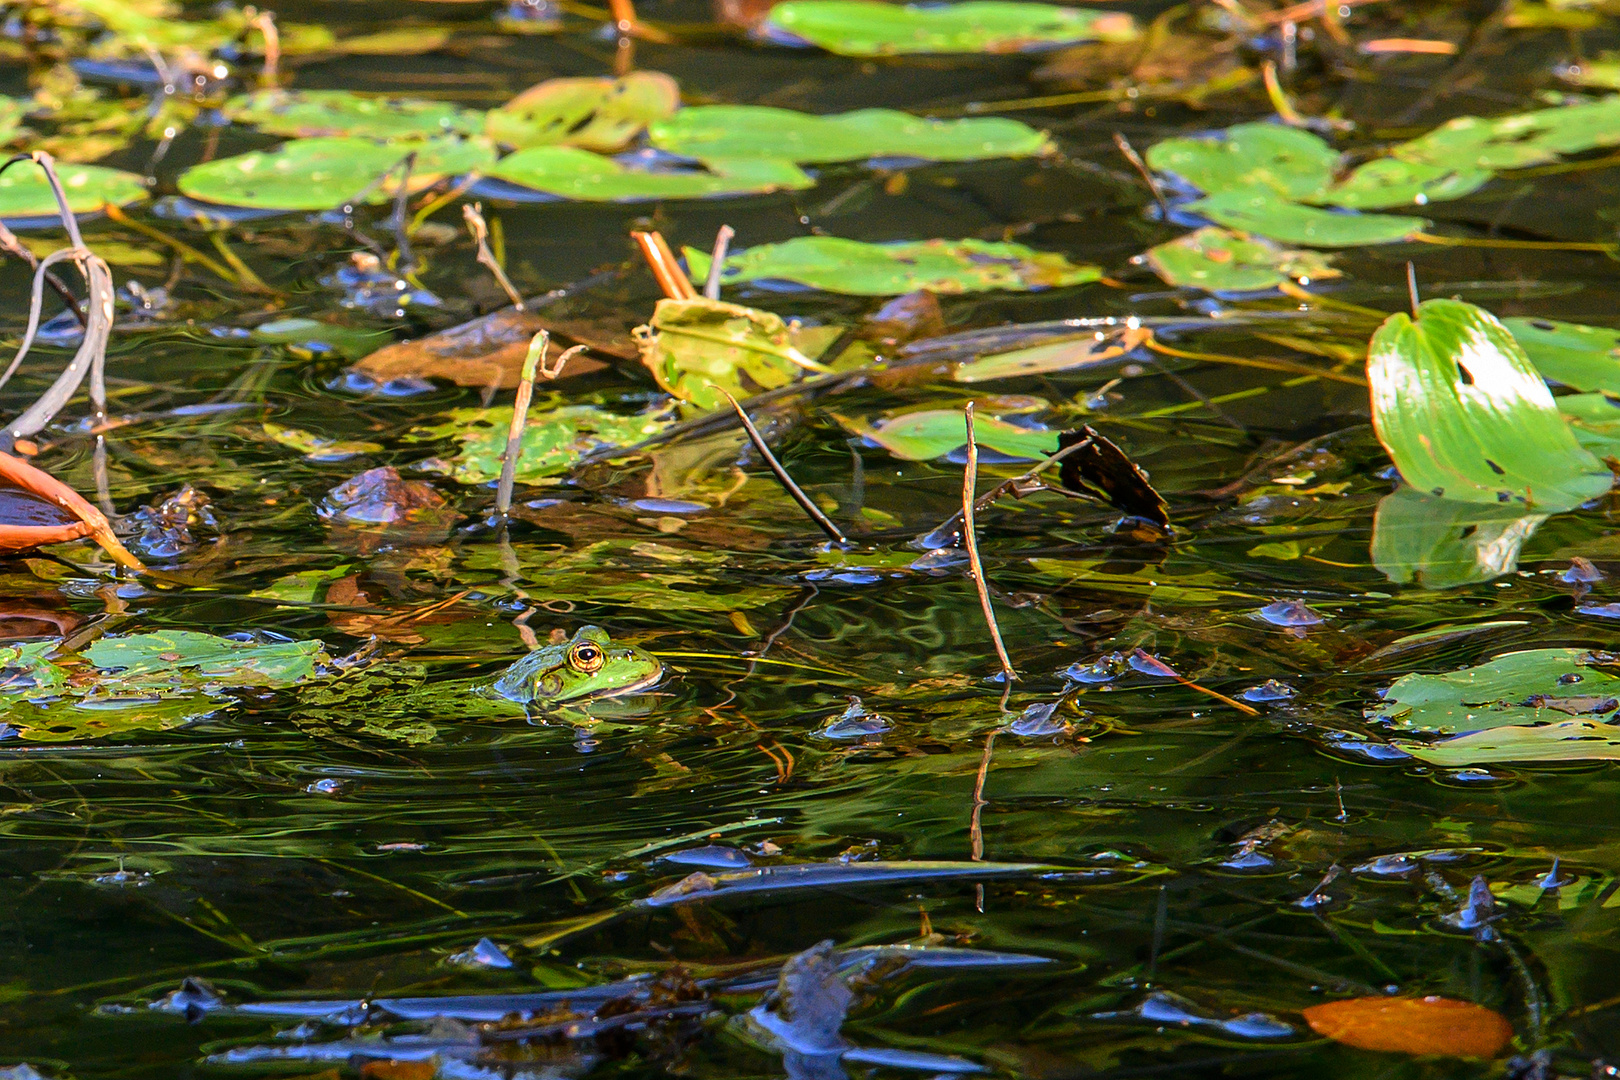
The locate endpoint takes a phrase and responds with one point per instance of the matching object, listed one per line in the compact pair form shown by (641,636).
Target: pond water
(1099,870)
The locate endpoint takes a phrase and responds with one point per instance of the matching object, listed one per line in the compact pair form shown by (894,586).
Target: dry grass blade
(970,481)
(792,489)
(473,215)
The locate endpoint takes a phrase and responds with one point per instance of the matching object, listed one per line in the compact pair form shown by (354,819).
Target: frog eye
(586,656)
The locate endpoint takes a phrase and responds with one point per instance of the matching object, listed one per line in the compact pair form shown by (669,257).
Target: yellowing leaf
(1427,1025)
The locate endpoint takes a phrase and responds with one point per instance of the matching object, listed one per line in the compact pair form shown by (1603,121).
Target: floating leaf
(596,114)
(739,131)
(571,173)
(305,113)
(695,348)
(1513,142)
(865,28)
(1580,357)
(1064,355)
(933,433)
(319,447)
(1441,543)
(1103,469)
(327,172)
(1223,261)
(553,438)
(405,41)
(489,350)
(238,663)
(1260,210)
(24,191)
(1427,1025)
(833,264)
(1272,157)
(1465,416)
(1564,740)
(1514,689)
(1391,182)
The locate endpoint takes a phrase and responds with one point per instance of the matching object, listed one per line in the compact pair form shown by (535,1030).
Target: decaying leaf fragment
(1102,468)
(488,351)
(697,347)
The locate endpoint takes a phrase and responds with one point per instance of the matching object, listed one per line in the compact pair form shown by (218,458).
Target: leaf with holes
(696,348)
(1563,740)
(1262,211)
(554,437)
(1580,357)
(307,113)
(1223,261)
(833,264)
(571,173)
(738,131)
(1465,416)
(867,28)
(327,172)
(1535,686)
(592,113)
(1278,159)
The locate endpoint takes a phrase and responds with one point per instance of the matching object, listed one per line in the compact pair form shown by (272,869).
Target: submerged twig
(976,828)
(265,23)
(970,481)
(185,251)
(722,243)
(473,215)
(793,489)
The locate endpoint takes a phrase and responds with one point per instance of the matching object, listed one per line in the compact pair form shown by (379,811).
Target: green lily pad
(1580,357)
(739,131)
(1562,740)
(596,114)
(1390,182)
(1262,211)
(1223,261)
(1465,416)
(834,264)
(1441,543)
(1274,157)
(327,172)
(865,28)
(933,433)
(1536,686)
(237,663)
(24,191)
(1513,142)
(553,440)
(578,174)
(306,113)
(696,348)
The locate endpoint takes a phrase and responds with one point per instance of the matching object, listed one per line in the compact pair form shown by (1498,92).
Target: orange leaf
(1429,1025)
(91,522)
(392,1069)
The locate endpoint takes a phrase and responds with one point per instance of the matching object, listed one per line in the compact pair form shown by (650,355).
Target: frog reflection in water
(589,665)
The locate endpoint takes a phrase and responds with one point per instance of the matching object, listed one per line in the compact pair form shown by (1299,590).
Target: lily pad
(596,114)
(695,348)
(834,264)
(1465,416)
(306,113)
(24,191)
(1517,688)
(933,433)
(1274,157)
(572,173)
(553,438)
(327,172)
(740,131)
(866,28)
(1223,261)
(1594,420)
(1562,740)
(1579,357)
(1390,182)
(1261,210)
(1513,142)
(238,663)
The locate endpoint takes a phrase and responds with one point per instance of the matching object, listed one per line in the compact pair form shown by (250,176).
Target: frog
(588,665)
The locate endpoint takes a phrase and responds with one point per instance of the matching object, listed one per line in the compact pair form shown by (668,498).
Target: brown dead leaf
(1427,1025)
(399,1070)
(489,350)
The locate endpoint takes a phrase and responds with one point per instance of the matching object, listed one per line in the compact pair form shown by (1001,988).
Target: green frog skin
(589,665)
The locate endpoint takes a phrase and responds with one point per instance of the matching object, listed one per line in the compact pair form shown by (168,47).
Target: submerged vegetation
(825,537)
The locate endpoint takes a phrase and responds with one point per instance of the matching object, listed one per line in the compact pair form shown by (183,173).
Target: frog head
(590,664)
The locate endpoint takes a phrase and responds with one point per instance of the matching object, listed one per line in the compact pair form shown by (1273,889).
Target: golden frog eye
(586,657)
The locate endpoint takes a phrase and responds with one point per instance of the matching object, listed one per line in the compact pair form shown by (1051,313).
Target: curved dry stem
(36,301)
(90,357)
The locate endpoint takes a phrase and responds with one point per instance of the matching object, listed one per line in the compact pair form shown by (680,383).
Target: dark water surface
(288,851)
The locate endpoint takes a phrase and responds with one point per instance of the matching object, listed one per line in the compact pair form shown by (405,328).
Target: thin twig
(970,481)
(534,364)
(473,215)
(1017,484)
(404,257)
(722,242)
(976,829)
(186,252)
(1140,166)
(661,261)
(1279,100)
(265,23)
(793,489)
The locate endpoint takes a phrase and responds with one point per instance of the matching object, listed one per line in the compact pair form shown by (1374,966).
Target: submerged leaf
(695,348)
(1580,357)
(327,172)
(318,447)
(305,113)
(1223,261)
(867,28)
(1428,1025)
(489,350)
(1465,416)
(1535,686)
(1063,355)
(24,191)
(571,173)
(553,438)
(592,113)
(933,433)
(1442,543)
(834,264)
(739,131)
(1262,211)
